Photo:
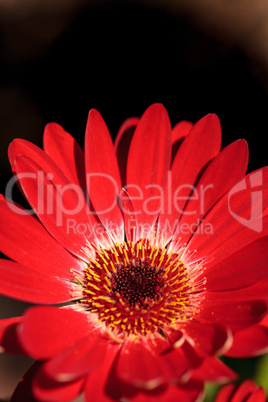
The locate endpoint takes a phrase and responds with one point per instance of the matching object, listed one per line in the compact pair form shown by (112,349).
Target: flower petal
(176,364)
(47,331)
(131,226)
(25,240)
(23,283)
(244,391)
(244,268)
(207,339)
(62,148)
(148,163)
(214,370)
(200,146)
(258,396)
(142,368)
(236,241)
(101,384)
(58,205)
(225,393)
(122,144)
(138,366)
(192,391)
(225,170)
(47,390)
(103,176)
(247,391)
(235,314)
(78,360)
(178,133)
(248,342)
(242,206)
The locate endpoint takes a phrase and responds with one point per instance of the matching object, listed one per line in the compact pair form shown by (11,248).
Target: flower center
(137,283)
(139,289)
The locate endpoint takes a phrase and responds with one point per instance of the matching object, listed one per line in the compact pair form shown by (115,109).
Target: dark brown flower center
(137,284)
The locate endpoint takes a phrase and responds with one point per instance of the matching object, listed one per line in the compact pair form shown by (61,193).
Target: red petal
(190,392)
(200,146)
(225,394)
(138,366)
(252,341)
(65,151)
(207,339)
(175,364)
(122,144)
(25,240)
(131,225)
(244,268)
(214,370)
(258,396)
(78,360)
(148,163)
(23,391)
(9,342)
(235,242)
(48,331)
(258,291)
(103,176)
(241,206)
(101,382)
(23,283)
(244,391)
(179,132)
(221,308)
(47,390)
(142,366)
(226,169)
(58,205)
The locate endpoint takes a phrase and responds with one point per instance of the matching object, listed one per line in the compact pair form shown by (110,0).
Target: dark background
(120,57)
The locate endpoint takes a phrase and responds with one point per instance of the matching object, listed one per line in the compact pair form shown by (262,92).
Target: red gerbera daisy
(152,281)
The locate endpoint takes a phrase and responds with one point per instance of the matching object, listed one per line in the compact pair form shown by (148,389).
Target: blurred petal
(101,384)
(78,360)
(251,341)
(208,339)
(47,390)
(234,314)
(214,370)
(43,289)
(48,331)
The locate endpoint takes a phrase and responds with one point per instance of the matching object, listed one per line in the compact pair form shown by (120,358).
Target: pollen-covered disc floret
(140,289)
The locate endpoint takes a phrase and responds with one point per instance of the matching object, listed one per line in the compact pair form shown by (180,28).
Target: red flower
(247,391)
(156,279)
